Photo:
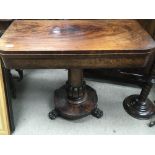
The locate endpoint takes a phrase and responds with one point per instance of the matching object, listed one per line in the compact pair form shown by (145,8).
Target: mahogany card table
(76,45)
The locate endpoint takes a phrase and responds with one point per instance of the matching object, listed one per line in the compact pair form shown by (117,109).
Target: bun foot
(151,124)
(97,113)
(53,114)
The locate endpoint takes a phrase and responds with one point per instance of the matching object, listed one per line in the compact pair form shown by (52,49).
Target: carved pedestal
(139,106)
(75,99)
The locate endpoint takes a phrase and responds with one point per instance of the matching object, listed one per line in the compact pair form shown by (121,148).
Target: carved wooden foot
(53,114)
(97,113)
(152,123)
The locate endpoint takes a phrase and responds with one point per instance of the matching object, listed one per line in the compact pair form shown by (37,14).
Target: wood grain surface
(74,35)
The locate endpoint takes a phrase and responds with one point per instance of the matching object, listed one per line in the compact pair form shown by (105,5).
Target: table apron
(77,61)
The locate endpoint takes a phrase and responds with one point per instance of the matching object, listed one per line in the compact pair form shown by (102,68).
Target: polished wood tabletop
(75,35)
(76,44)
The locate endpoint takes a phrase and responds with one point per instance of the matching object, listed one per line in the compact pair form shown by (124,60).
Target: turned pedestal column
(139,106)
(75,99)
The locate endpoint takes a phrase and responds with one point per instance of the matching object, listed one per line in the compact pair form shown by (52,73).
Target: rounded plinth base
(75,109)
(143,110)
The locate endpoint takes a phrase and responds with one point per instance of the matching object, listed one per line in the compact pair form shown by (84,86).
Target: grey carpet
(35,100)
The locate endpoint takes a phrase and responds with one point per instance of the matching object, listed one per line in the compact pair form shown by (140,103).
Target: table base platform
(75,99)
(137,109)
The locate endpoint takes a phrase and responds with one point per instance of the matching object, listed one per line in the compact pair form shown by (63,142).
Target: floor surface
(35,100)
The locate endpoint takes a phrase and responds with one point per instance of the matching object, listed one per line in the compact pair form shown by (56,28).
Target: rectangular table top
(62,36)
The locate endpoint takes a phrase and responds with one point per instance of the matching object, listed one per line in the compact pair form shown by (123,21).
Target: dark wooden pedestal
(75,99)
(139,106)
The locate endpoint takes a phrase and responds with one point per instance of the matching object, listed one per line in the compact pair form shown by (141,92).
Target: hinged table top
(74,35)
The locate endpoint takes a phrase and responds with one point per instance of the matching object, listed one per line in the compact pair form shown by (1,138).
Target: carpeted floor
(35,100)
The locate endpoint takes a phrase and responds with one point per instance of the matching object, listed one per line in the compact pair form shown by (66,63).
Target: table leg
(139,106)
(75,99)
(11,81)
